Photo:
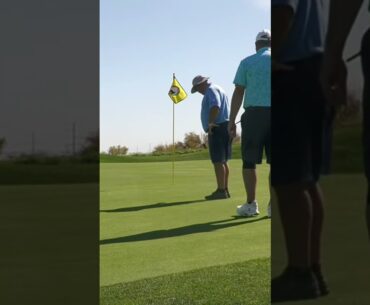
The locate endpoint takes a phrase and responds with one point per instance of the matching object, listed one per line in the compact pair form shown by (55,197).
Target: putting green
(151,227)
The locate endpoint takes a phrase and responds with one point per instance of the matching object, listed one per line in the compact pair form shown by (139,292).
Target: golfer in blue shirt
(214,118)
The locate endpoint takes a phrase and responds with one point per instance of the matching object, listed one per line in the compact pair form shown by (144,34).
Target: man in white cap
(253,84)
(298,119)
(215,116)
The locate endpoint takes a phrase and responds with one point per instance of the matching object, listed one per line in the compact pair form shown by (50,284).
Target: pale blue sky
(144,41)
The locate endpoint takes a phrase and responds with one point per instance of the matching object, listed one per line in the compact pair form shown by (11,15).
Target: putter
(349,59)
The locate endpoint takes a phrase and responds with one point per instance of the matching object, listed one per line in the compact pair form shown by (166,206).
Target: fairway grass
(200,154)
(246,283)
(151,227)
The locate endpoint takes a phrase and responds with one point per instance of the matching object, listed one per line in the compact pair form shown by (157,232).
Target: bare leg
(317,222)
(250,183)
(226,175)
(296,216)
(220,175)
(270,187)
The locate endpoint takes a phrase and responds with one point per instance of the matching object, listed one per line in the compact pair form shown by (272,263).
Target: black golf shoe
(293,285)
(217,194)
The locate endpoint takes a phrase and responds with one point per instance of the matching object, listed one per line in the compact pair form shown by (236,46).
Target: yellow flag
(177,93)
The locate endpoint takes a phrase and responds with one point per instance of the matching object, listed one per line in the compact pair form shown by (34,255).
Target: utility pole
(74,139)
(33,144)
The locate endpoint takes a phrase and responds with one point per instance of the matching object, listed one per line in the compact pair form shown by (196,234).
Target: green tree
(118,150)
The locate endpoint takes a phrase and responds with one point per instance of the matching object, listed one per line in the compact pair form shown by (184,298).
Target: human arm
(342,15)
(282,18)
(213,113)
(236,102)
(334,71)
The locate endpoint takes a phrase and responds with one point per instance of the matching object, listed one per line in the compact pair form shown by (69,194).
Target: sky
(48,77)
(49,58)
(143,42)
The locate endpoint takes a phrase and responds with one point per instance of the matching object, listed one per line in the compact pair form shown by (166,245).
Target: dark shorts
(256,135)
(219,144)
(298,113)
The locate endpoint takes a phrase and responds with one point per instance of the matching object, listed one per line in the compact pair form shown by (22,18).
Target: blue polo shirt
(254,74)
(214,96)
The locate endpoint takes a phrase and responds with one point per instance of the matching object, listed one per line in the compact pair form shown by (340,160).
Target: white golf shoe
(248,209)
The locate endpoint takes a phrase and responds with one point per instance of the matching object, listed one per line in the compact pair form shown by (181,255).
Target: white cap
(198,80)
(264,35)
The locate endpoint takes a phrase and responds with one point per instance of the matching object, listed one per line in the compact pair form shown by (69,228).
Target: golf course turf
(162,243)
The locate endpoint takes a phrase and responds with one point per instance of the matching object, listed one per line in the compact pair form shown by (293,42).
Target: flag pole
(173,139)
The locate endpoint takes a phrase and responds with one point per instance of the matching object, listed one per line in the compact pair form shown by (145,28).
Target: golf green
(150,226)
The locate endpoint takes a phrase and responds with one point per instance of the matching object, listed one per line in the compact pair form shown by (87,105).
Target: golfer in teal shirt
(253,90)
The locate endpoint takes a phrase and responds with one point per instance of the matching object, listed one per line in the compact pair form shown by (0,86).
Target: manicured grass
(246,283)
(162,244)
(151,227)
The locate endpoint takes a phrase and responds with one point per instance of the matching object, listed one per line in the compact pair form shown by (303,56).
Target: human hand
(231,128)
(333,78)
(210,127)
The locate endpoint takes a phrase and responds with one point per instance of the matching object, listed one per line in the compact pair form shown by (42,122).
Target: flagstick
(173,143)
(173,140)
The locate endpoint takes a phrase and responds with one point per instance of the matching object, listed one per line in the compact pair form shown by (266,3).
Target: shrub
(118,150)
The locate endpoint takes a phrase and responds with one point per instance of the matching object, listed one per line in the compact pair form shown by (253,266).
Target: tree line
(191,142)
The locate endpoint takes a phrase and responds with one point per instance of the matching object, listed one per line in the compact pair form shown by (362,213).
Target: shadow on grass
(151,206)
(192,229)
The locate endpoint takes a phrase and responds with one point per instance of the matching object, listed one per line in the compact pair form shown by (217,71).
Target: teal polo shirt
(254,74)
